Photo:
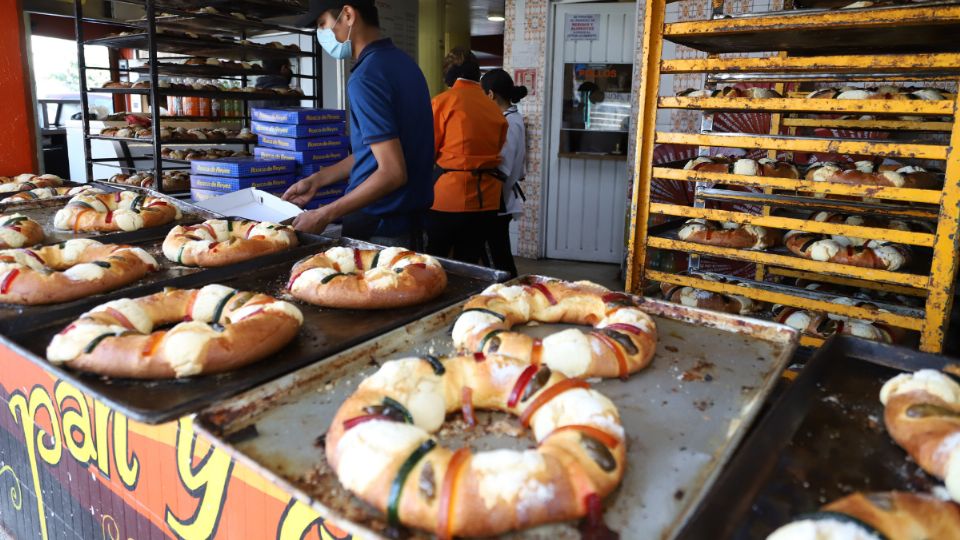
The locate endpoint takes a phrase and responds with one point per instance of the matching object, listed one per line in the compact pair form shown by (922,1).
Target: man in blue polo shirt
(391,133)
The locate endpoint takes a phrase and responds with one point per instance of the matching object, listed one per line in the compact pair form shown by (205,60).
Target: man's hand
(302,192)
(314,221)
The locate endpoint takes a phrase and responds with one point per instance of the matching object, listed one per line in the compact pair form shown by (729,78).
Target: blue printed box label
(324,157)
(301,131)
(297,115)
(303,145)
(224,184)
(241,167)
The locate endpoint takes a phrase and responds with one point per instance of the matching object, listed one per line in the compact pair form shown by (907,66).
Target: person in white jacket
(499,86)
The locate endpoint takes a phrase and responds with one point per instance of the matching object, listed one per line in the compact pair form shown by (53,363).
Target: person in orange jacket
(469,131)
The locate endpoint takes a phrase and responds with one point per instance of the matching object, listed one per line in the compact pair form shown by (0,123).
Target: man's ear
(349,15)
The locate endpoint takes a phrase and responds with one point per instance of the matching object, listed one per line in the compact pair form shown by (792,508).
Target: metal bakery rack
(180,27)
(896,44)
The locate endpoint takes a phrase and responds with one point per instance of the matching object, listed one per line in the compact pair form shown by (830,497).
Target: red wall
(17,141)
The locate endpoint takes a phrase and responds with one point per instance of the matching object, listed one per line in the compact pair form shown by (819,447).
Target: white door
(587,193)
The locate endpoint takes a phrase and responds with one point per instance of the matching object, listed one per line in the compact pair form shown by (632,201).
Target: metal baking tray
(683,416)
(324,332)
(18,319)
(43,210)
(822,440)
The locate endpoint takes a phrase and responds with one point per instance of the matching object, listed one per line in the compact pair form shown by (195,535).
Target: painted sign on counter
(71,467)
(581,27)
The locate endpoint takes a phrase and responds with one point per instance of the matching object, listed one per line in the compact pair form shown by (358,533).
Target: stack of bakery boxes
(293,144)
(310,138)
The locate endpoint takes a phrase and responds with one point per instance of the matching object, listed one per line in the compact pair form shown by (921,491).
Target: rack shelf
(911,44)
(214,94)
(165,16)
(230,50)
(929,28)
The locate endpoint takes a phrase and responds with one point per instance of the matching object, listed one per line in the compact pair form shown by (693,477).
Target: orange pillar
(18,149)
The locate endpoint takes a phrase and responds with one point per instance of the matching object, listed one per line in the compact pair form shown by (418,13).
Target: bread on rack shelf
(732,235)
(730,92)
(866,173)
(744,166)
(172,180)
(867,221)
(700,298)
(167,85)
(190,154)
(876,254)
(922,415)
(172,134)
(871,516)
(880,92)
(823,325)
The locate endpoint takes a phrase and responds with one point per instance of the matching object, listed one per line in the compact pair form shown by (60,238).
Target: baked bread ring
(733,235)
(866,174)
(219,242)
(922,414)
(622,342)
(890,515)
(24,182)
(17,230)
(217,329)
(118,211)
(823,325)
(343,277)
(381,448)
(745,167)
(867,221)
(49,193)
(699,298)
(69,270)
(871,254)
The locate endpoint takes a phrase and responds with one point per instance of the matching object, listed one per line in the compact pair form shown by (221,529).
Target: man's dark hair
(367,9)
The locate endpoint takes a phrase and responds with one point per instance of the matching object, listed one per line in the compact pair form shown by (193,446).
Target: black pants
(459,235)
(498,244)
(369,228)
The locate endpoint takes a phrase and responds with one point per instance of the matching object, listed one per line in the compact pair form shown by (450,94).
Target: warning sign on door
(582,27)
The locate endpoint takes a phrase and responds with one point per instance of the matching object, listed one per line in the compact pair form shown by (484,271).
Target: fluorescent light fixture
(495,18)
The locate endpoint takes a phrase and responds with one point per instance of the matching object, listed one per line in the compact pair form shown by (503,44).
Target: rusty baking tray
(683,416)
(325,332)
(42,211)
(16,318)
(823,439)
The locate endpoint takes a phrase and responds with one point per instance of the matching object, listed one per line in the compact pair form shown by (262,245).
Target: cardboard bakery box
(304,145)
(252,203)
(238,167)
(323,157)
(297,115)
(226,184)
(299,131)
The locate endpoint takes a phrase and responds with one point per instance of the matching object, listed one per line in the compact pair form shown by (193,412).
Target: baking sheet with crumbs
(822,440)
(683,416)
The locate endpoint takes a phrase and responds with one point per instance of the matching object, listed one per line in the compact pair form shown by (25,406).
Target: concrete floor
(607,275)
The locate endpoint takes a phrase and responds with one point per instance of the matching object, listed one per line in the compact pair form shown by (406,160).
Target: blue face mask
(328,41)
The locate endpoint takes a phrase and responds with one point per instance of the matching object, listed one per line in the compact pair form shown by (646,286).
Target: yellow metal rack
(914,43)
